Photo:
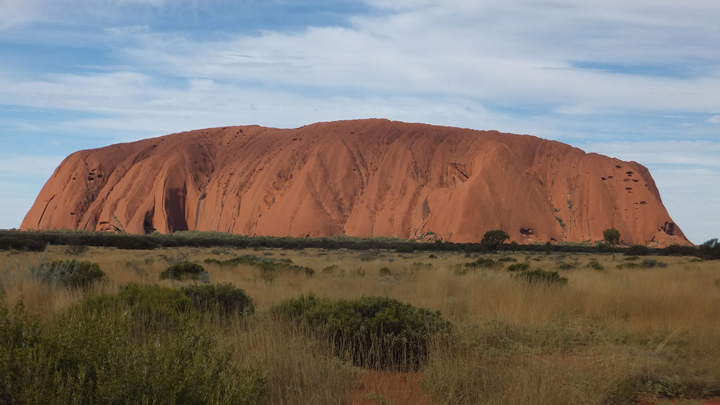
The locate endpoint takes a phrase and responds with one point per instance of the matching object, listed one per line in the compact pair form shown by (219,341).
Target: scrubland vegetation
(262,325)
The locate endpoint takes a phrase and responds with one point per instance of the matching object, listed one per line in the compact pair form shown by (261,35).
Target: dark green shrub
(15,242)
(565,266)
(649,263)
(185,271)
(507,259)
(540,276)
(296,308)
(70,273)
(85,357)
(480,263)
(630,265)
(631,258)
(405,248)
(225,298)
(384,271)
(637,250)
(595,265)
(372,332)
(519,267)
(152,308)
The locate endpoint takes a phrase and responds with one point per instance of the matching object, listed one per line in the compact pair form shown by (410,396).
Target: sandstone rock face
(362,178)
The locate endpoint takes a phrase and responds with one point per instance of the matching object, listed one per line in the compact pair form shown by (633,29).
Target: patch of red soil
(384,387)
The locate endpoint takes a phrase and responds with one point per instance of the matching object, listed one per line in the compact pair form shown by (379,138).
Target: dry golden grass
(601,338)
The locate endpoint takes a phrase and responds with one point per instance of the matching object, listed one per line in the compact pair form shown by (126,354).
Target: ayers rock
(360,178)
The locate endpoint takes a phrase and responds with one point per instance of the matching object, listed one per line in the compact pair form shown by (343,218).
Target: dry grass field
(616,335)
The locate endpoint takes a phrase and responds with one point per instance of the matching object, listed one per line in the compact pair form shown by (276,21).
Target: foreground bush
(225,298)
(82,358)
(69,273)
(518,267)
(185,271)
(542,277)
(371,332)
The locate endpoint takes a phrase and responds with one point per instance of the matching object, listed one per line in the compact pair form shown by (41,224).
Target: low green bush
(507,259)
(69,273)
(372,332)
(595,265)
(225,298)
(384,272)
(540,276)
(519,267)
(185,271)
(269,267)
(81,356)
(565,266)
(649,263)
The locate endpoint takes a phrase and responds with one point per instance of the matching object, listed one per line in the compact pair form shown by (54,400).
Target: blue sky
(638,80)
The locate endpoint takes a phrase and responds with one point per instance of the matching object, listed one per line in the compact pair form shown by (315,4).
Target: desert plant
(595,265)
(649,263)
(565,266)
(519,267)
(85,357)
(384,272)
(540,276)
(493,239)
(372,332)
(185,271)
(225,298)
(612,238)
(70,273)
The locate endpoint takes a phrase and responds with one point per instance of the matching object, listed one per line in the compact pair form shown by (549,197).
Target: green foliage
(540,276)
(710,250)
(548,248)
(185,271)
(507,259)
(15,242)
(656,383)
(69,273)
(269,267)
(225,298)
(611,236)
(85,357)
(650,263)
(519,267)
(493,239)
(595,265)
(630,265)
(405,248)
(565,266)
(371,332)
(384,272)
(637,250)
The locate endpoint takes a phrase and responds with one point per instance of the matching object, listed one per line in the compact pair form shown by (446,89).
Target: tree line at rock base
(37,241)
